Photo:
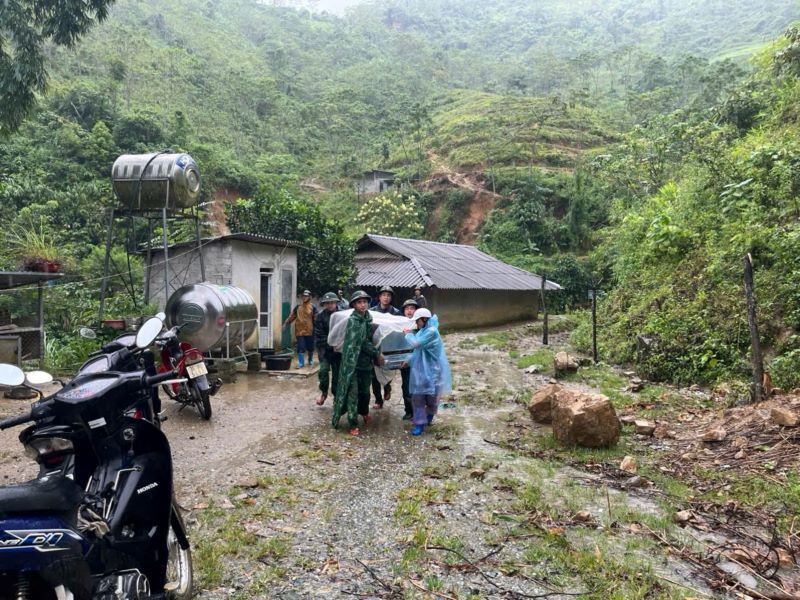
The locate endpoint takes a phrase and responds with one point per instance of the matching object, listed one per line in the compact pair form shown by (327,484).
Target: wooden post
(757,391)
(545,341)
(594,323)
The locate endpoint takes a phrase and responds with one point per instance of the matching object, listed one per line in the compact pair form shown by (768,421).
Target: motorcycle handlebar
(14,421)
(156,379)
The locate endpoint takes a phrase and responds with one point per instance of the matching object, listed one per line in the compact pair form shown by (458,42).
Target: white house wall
(249,259)
(228,262)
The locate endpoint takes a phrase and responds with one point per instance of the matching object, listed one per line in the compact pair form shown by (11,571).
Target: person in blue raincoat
(430,372)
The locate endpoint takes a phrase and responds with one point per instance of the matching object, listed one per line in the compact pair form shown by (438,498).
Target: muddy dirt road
(280,505)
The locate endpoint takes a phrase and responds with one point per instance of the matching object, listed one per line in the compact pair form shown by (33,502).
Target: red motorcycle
(190,365)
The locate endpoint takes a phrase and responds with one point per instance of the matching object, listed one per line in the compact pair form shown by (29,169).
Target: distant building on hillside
(462,285)
(374,182)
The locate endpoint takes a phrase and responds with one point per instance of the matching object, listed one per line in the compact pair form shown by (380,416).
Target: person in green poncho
(355,370)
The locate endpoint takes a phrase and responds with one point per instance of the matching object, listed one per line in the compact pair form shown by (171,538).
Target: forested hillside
(578,138)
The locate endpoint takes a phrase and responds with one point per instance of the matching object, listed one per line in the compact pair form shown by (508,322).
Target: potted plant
(34,248)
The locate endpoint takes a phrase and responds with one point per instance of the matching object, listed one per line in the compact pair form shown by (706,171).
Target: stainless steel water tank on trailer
(206,310)
(167,181)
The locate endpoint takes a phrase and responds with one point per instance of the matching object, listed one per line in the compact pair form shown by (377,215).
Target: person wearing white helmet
(430,373)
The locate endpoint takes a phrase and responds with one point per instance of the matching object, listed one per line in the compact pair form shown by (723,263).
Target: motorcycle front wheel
(179,563)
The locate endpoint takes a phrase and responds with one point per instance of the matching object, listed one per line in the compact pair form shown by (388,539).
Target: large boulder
(583,419)
(541,403)
(564,363)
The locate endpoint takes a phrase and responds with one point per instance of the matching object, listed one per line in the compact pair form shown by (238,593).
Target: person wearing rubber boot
(328,359)
(385,297)
(304,314)
(409,307)
(358,356)
(430,372)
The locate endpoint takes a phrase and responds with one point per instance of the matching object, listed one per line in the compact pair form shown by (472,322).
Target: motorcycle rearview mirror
(148,332)
(161,315)
(11,375)
(88,333)
(38,377)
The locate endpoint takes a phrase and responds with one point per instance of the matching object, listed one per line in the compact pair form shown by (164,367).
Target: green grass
(555,324)
(542,356)
(499,340)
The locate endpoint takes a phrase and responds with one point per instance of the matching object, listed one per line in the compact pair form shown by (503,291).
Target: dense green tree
(326,254)
(26,27)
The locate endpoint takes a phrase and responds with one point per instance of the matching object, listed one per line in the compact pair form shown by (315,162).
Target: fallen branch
(372,573)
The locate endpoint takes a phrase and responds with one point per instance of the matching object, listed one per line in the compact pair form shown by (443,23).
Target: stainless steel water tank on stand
(145,182)
(155,186)
(213,317)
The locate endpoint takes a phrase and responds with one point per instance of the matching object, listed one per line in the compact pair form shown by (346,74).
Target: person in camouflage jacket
(355,371)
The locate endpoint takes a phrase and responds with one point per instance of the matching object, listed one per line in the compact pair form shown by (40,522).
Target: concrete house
(462,285)
(374,182)
(264,267)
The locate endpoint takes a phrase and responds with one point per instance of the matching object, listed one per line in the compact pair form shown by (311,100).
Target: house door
(265,316)
(287,297)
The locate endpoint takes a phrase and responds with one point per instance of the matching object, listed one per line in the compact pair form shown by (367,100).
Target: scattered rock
(784,417)
(226,504)
(248,482)
(629,465)
(583,419)
(740,455)
(564,363)
(785,558)
(583,516)
(627,419)
(715,434)
(531,370)
(635,385)
(635,482)
(540,405)
(683,516)
(662,433)
(644,427)
(240,497)
(740,442)
(629,373)
(477,473)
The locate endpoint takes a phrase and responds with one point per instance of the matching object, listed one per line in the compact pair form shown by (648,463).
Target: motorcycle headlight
(47,445)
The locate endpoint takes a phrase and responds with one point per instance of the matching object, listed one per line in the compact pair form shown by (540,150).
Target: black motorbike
(100,521)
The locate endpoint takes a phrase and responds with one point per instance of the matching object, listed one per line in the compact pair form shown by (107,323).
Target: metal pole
(594,324)
(104,283)
(545,332)
(199,244)
(166,257)
(147,265)
(41,326)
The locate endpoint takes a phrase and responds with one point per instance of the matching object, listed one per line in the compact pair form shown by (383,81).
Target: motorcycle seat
(48,495)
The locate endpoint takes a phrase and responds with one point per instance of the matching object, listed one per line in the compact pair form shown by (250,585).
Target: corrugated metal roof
(380,272)
(244,237)
(445,266)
